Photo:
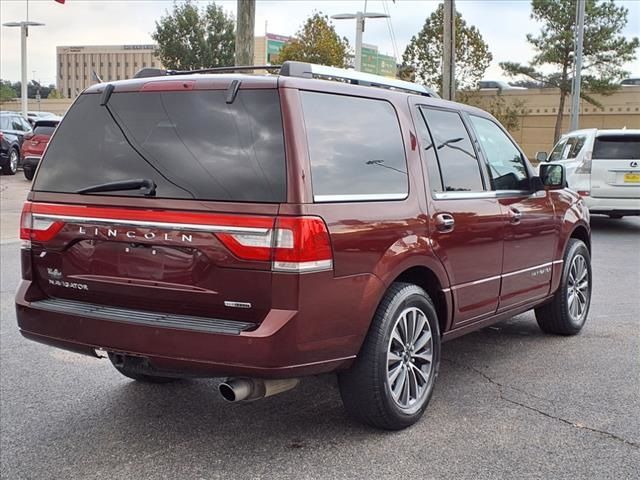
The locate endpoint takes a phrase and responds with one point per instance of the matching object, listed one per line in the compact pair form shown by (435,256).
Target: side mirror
(541,157)
(553,176)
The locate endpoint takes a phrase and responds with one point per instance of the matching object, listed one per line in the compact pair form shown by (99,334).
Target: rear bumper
(615,206)
(30,161)
(285,344)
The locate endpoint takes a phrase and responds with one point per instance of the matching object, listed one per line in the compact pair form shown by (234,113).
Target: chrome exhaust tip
(249,389)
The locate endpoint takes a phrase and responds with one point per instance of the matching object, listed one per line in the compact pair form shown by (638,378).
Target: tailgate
(615,166)
(169,261)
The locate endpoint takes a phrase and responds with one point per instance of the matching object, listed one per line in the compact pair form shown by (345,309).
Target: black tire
(366,388)
(558,316)
(615,216)
(12,163)
(29,172)
(131,367)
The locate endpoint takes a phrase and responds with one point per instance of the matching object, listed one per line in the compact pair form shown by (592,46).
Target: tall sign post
(360,17)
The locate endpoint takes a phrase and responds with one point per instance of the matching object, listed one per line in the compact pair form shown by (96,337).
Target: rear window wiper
(149,186)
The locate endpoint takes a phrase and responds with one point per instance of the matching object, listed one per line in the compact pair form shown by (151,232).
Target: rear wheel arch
(426,278)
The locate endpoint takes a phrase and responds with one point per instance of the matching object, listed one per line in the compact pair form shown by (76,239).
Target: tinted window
(355,148)
(429,154)
(43,130)
(458,164)
(617,147)
(568,148)
(195,145)
(4,122)
(506,165)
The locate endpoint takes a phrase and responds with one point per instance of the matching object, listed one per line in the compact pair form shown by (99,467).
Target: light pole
(359,16)
(24,33)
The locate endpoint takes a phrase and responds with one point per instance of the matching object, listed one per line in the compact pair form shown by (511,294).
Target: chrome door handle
(515,215)
(445,222)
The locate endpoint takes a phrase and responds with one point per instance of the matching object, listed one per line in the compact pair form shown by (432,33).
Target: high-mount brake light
(37,229)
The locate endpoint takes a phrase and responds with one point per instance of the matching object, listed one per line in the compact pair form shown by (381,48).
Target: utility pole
(245,31)
(449,51)
(577,74)
(359,16)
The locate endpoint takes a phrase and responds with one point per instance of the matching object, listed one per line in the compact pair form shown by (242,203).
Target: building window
(126,64)
(77,64)
(68,77)
(135,64)
(144,64)
(153,64)
(84,64)
(118,77)
(101,64)
(93,64)
(118,64)
(109,64)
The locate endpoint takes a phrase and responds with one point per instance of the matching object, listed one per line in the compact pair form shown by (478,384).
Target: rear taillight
(37,229)
(585,166)
(296,244)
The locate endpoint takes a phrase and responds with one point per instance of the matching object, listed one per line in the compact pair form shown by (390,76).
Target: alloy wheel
(578,289)
(410,359)
(13,161)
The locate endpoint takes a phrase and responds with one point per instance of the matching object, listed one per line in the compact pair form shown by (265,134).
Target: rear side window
(568,148)
(459,166)
(355,148)
(617,147)
(191,144)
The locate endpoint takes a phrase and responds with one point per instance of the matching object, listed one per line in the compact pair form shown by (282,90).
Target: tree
(189,38)
(316,42)
(55,94)
(605,50)
(424,52)
(507,112)
(7,93)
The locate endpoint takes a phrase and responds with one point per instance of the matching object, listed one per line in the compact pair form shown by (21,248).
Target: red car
(269,227)
(34,144)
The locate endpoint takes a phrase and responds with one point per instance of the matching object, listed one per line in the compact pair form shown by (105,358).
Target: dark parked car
(270,227)
(33,116)
(34,144)
(12,131)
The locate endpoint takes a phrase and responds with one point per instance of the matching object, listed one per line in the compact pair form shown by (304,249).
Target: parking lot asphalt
(510,402)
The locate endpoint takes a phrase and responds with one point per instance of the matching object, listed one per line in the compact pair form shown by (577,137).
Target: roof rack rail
(310,70)
(159,72)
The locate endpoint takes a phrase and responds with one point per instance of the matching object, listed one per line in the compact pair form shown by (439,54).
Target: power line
(386,9)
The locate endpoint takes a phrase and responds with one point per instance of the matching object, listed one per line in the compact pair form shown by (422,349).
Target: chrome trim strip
(142,223)
(524,270)
(485,194)
(359,197)
(627,170)
(476,282)
(498,277)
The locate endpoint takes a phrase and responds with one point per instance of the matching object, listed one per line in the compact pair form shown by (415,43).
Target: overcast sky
(502,23)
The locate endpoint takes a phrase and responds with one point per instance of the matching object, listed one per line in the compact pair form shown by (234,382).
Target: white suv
(603,166)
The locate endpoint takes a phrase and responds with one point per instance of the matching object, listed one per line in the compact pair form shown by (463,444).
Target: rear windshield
(191,144)
(43,130)
(617,147)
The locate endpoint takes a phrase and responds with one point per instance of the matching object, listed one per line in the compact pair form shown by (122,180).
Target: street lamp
(24,33)
(359,16)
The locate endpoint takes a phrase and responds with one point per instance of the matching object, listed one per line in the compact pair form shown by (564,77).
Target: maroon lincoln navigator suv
(266,227)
